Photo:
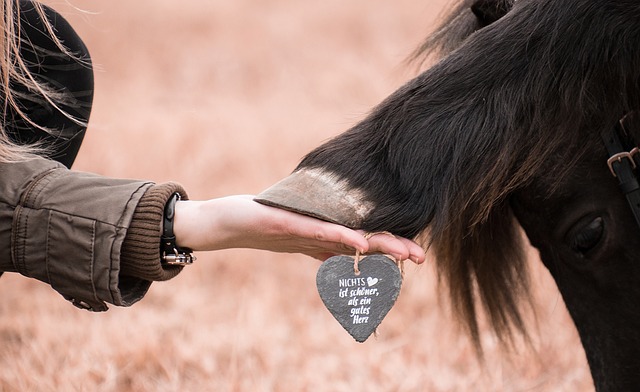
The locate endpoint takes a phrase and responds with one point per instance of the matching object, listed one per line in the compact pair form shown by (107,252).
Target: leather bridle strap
(622,163)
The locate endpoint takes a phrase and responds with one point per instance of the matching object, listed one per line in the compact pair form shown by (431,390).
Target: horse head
(504,133)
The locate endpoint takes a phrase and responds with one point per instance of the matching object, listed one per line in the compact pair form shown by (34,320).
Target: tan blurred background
(225,96)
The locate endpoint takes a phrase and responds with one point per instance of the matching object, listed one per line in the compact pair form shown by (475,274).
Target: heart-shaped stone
(359,302)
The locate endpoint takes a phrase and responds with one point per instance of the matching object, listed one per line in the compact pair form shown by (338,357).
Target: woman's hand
(240,222)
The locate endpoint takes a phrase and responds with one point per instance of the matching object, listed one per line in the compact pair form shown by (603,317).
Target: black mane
(508,105)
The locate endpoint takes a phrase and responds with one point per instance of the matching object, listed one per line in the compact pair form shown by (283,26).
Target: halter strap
(622,163)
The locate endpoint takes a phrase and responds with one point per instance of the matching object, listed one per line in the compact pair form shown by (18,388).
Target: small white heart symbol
(372,281)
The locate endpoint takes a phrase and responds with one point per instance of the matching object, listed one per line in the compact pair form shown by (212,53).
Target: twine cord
(356,260)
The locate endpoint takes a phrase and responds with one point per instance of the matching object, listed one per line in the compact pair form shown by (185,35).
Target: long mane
(476,238)
(478,244)
(504,106)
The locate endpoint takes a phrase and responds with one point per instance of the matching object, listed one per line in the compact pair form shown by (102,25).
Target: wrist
(170,252)
(196,225)
(213,224)
(182,223)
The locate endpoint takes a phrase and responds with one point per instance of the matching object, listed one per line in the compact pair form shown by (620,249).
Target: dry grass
(225,97)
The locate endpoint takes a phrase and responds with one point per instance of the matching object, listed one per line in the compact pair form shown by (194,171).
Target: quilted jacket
(95,240)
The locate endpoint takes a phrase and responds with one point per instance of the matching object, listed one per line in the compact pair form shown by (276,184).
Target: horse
(507,132)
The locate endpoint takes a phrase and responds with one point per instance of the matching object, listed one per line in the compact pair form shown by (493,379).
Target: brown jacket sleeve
(95,240)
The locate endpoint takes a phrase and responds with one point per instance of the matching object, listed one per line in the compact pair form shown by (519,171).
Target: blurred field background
(225,97)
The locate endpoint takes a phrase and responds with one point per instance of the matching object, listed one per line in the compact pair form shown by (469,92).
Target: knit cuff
(140,252)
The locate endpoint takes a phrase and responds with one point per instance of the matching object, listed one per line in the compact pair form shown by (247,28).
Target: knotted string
(356,261)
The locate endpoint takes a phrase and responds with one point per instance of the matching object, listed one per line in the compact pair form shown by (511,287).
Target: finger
(342,238)
(416,252)
(388,244)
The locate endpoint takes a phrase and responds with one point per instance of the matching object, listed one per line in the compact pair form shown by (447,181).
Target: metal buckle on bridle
(620,156)
(617,140)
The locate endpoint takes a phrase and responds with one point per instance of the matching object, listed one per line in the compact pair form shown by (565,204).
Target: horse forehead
(589,184)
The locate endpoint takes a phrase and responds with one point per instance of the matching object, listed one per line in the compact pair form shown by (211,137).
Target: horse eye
(584,238)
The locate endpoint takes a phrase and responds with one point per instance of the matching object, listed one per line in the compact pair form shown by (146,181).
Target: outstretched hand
(240,222)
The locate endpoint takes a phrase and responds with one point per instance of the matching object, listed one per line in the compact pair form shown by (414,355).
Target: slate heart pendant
(359,302)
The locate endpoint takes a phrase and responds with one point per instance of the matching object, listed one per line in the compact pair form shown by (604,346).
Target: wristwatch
(170,252)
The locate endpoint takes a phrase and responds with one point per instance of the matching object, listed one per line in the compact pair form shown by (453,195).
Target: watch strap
(170,252)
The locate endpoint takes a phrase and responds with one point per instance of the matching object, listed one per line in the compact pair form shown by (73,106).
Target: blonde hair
(14,71)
